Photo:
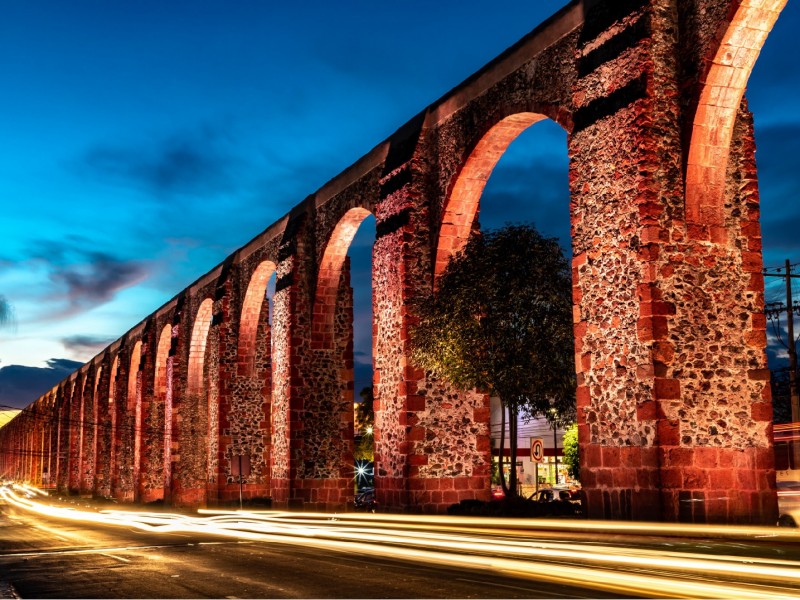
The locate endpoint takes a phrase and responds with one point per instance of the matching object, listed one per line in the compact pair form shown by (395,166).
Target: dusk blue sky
(142,142)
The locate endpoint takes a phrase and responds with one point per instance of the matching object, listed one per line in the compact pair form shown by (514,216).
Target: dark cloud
(85,278)
(197,162)
(19,385)
(86,344)
(96,281)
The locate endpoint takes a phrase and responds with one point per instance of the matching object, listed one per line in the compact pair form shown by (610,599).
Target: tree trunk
(500,458)
(513,413)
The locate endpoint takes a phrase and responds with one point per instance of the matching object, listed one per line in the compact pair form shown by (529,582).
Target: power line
(773,311)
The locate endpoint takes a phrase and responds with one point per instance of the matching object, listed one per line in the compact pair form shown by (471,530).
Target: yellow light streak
(486,544)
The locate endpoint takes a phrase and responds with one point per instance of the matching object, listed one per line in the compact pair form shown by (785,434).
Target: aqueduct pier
(674,402)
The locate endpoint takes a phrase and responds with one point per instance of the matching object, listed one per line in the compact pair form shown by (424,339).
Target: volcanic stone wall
(673,403)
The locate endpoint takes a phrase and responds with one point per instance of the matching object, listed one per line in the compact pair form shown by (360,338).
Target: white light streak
(523,548)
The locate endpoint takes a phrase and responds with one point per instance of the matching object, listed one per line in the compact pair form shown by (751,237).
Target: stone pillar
(62,457)
(246,383)
(87,466)
(289,303)
(104,442)
(151,467)
(673,407)
(195,401)
(122,481)
(324,469)
(432,445)
(76,433)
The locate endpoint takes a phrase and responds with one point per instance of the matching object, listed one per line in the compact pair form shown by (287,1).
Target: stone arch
(718,107)
(112,413)
(461,205)
(327,436)
(162,396)
(95,426)
(330,272)
(134,404)
(76,429)
(250,318)
(195,423)
(197,348)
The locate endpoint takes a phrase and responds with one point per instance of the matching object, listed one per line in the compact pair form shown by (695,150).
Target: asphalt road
(48,558)
(49,552)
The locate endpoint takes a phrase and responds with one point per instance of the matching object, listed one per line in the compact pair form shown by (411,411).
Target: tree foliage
(500,321)
(572,457)
(364,423)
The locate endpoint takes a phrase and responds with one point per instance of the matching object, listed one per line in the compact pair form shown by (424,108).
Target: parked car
(564,500)
(788,503)
(365,500)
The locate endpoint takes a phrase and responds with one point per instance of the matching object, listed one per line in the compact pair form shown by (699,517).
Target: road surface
(278,555)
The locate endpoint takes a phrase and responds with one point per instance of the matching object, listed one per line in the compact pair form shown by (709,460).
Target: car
(561,500)
(788,503)
(365,500)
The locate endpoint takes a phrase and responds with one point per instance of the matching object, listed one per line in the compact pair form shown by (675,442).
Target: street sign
(537,450)
(240,465)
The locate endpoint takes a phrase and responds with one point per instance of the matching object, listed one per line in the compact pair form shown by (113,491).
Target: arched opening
(197,348)
(78,429)
(518,172)
(92,473)
(111,472)
(461,208)
(253,309)
(771,96)
(330,273)
(134,402)
(197,422)
(162,391)
(245,436)
(330,404)
(718,107)
(360,256)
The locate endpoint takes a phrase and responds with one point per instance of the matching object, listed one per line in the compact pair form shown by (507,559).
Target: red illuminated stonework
(673,397)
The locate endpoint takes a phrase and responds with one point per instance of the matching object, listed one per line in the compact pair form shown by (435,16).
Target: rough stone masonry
(673,397)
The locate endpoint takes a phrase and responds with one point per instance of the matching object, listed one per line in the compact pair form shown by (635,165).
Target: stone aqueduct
(673,398)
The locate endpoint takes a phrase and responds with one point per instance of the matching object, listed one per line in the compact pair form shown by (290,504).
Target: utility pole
(794,394)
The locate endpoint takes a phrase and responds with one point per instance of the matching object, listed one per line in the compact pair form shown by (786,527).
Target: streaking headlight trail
(523,548)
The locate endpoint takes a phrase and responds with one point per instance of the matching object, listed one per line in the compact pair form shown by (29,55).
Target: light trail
(482,544)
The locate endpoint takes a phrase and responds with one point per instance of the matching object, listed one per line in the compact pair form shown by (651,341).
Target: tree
(500,320)
(572,457)
(364,423)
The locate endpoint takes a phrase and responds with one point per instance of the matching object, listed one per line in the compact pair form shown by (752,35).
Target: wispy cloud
(84,278)
(197,161)
(86,345)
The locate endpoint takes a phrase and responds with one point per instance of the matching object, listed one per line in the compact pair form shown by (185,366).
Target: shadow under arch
(717,109)
(461,205)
